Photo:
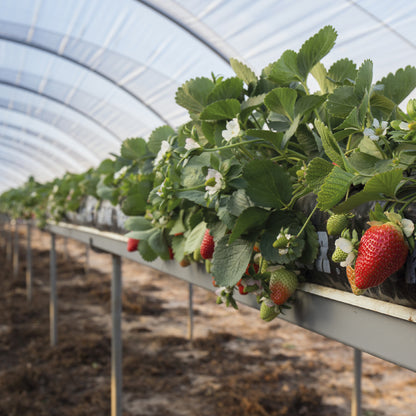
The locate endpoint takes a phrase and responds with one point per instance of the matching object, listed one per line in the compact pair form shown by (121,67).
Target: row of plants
(227,188)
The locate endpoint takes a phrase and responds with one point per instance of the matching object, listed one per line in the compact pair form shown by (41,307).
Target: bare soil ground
(237,365)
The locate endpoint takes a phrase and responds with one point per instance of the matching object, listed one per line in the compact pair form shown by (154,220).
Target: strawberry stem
(306,222)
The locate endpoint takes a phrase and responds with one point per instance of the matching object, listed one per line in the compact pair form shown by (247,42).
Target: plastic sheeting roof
(78,77)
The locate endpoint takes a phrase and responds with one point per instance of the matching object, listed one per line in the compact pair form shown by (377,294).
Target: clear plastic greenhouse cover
(78,77)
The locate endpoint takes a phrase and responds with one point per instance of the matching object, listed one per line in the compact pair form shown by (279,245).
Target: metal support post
(16,250)
(66,254)
(29,273)
(53,313)
(87,258)
(191,314)
(9,243)
(356,392)
(116,342)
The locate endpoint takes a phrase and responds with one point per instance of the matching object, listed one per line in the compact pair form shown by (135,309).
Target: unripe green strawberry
(382,251)
(268,311)
(197,255)
(336,224)
(283,284)
(338,255)
(264,265)
(207,246)
(281,241)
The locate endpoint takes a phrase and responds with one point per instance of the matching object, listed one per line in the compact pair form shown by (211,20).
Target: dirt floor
(237,365)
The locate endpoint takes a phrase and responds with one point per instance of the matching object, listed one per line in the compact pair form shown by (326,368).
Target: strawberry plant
(264,163)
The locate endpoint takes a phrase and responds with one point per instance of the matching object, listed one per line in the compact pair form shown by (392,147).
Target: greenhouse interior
(207,208)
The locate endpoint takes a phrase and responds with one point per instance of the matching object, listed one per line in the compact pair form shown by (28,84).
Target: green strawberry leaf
(330,144)
(285,69)
(379,187)
(230,261)
(158,244)
(178,247)
(250,220)
(334,188)
(381,106)
(146,251)
(221,110)
(137,224)
(342,101)
(308,103)
(399,85)
(229,88)
(316,172)
(314,49)
(282,101)
(194,239)
(291,131)
(158,135)
(321,76)
(268,184)
(250,104)
(193,94)
(364,79)
(106,167)
(312,246)
(136,200)
(342,70)
(243,71)
(238,202)
(273,137)
(141,235)
(133,149)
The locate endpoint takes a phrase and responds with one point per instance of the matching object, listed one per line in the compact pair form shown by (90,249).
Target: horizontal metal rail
(382,329)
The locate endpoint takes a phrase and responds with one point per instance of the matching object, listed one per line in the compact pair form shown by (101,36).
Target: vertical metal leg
(191,314)
(356,392)
(53,313)
(116,343)
(29,274)
(16,250)
(9,243)
(87,258)
(66,255)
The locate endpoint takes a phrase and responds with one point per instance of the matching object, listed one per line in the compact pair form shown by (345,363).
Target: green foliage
(252,149)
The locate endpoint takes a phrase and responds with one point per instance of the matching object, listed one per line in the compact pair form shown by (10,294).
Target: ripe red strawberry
(207,246)
(132,244)
(283,284)
(382,251)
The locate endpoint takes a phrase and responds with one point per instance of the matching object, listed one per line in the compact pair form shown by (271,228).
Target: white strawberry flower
(214,182)
(253,282)
(408,227)
(232,130)
(164,148)
(404,126)
(222,292)
(347,247)
(349,260)
(377,130)
(191,144)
